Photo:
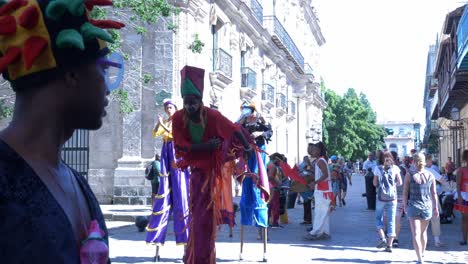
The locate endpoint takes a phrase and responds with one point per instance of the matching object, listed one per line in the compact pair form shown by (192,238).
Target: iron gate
(75,152)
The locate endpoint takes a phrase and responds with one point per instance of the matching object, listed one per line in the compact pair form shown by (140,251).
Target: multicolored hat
(251,105)
(41,38)
(192,81)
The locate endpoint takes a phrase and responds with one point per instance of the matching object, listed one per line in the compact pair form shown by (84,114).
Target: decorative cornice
(240,12)
(247,94)
(312,19)
(219,81)
(193,7)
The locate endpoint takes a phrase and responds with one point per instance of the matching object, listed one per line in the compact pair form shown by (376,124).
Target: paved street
(353,240)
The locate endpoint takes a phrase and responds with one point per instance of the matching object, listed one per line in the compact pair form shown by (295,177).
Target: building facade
(265,52)
(402,137)
(448,107)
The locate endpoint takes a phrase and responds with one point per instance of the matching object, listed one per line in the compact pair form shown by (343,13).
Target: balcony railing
(257,10)
(462,33)
(308,69)
(281,101)
(224,62)
(279,32)
(292,108)
(248,78)
(268,93)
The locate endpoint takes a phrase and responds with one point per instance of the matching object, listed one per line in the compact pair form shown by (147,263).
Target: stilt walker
(204,141)
(255,186)
(172,196)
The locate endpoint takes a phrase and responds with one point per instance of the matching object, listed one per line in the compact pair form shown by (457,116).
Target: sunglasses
(113,65)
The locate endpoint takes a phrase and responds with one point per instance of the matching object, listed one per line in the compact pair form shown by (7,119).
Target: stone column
(149,82)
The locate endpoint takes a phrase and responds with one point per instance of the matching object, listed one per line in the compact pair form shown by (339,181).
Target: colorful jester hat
(41,38)
(192,81)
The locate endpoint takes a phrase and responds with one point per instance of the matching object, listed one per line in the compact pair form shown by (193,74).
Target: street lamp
(455,116)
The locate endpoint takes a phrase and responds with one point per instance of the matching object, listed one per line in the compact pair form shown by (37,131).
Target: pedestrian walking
(204,141)
(323,195)
(419,194)
(404,169)
(449,167)
(153,173)
(172,196)
(462,196)
(368,168)
(435,220)
(386,179)
(47,208)
(306,170)
(275,178)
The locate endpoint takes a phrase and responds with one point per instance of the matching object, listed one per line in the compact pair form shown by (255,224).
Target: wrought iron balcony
(292,108)
(257,10)
(248,78)
(462,33)
(284,41)
(281,105)
(308,69)
(268,98)
(268,93)
(224,62)
(281,101)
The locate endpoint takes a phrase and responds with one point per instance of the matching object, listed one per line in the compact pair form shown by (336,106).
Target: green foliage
(5,110)
(350,128)
(147,10)
(147,78)
(126,106)
(197,45)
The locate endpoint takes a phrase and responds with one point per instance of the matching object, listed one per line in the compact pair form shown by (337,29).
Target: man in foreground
(54,59)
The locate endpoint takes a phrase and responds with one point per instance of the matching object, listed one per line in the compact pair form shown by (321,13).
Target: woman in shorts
(422,203)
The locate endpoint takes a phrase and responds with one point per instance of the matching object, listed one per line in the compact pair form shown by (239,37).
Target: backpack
(149,172)
(152,172)
(386,191)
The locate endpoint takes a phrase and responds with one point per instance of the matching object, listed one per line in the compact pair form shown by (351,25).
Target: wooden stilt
(241,257)
(156,257)
(265,242)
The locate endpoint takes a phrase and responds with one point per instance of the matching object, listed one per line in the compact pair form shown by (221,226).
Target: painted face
(170,109)
(246,111)
(192,104)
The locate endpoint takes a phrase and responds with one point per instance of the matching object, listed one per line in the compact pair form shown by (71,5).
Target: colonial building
(402,137)
(449,104)
(265,52)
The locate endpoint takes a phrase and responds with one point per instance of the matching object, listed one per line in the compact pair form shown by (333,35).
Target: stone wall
(152,55)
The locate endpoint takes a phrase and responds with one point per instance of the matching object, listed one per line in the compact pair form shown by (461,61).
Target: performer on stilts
(255,186)
(173,195)
(205,140)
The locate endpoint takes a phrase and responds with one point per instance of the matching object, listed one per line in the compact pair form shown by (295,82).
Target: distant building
(402,137)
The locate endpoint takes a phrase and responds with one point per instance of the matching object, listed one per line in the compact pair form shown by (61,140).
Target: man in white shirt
(368,168)
(435,221)
(369,163)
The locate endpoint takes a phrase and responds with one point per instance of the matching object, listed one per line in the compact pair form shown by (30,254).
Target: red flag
(292,173)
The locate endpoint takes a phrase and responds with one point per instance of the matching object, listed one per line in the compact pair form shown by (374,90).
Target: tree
(350,128)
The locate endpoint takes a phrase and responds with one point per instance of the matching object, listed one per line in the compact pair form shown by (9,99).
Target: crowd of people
(412,187)
(415,187)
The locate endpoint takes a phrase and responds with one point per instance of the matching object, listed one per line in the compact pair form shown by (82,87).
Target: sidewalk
(352,229)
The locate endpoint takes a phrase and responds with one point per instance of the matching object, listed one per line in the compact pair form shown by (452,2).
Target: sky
(379,47)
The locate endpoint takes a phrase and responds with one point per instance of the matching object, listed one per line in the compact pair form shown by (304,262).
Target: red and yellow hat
(41,38)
